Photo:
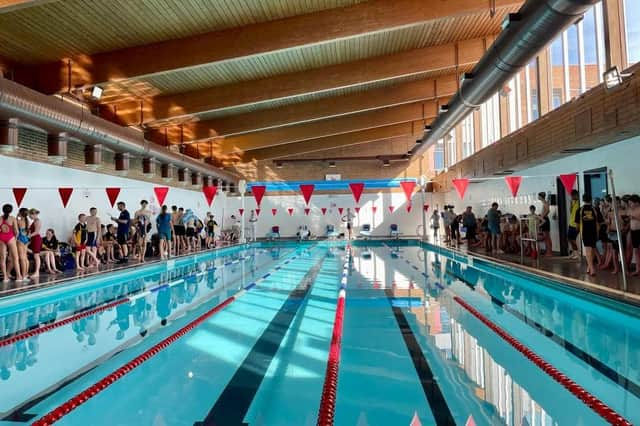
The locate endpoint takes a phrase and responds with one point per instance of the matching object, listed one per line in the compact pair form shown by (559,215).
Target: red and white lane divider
(326,413)
(599,407)
(82,397)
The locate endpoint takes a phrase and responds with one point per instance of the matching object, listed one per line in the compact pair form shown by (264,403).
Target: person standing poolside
(634,215)
(348,219)
(23,240)
(469,222)
(80,238)
(93,235)
(179,230)
(165,232)
(435,224)
(211,230)
(493,223)
(122,234)
(588,221)
(253,219)
(545,224)
(36,240)
(8,242)
(142,218)
(572,233)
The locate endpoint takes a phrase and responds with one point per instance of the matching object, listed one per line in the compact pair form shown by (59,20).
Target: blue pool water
(410,352)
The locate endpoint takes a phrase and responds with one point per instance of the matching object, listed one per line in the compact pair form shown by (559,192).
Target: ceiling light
(96,92)
(332,163)
(386,163)
(466,76)
(427,128)
(278,165)
(418,141)
(444,108)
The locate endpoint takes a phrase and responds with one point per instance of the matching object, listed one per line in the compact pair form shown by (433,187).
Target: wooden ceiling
(245,80)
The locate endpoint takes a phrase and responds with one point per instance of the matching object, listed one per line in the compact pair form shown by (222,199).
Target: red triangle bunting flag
(340,210)
(513,182)
(257,212)
(356,190)
(357,209)
(408,207)
(407,187)
(65,194)
(18,194)
(307,191)
(274,211)
(258,193)
(241,211)
(209,192)
(112,194)
(568,181)
(374,209)
(425,207)
(461,186)
(161,193)
(306,211)
(290,210)
(324,210)
(391,209)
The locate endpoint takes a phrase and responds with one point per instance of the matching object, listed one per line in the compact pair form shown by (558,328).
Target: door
(563,215)
(595,183)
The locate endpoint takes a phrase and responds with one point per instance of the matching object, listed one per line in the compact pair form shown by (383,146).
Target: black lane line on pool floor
(601,367)
(236,398)
(432,392)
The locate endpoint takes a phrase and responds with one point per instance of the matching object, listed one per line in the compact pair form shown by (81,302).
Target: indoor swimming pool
(242,335)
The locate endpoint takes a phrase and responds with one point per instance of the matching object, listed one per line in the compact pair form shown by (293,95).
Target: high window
(438,156)
(468,136)
(632,30)
(490,120)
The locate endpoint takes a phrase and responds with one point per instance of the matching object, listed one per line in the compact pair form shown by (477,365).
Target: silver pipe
(52,114)
(527,32)
(616,221)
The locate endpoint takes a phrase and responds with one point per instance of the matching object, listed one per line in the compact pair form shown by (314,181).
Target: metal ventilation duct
(527,32)
(55,116)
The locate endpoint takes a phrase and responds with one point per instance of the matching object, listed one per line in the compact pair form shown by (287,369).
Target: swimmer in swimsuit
(80,239)
(23,239)
(93,235)
(8,231)
(36,240)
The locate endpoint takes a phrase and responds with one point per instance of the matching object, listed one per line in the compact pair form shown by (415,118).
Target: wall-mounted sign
(333,176)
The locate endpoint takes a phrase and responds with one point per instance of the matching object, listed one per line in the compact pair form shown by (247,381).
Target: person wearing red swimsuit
(36,240)
(8,231)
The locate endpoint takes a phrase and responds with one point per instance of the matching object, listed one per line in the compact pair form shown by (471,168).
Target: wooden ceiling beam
(257,39)
(425,111)
(399,94)
(402,130)
(412,62)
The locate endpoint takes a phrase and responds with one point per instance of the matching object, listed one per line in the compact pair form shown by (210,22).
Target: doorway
(563,215)
(595,183)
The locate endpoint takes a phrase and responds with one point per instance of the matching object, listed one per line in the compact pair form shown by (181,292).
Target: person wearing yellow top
(573,232)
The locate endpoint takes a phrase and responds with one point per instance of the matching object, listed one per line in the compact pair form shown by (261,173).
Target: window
(632,30)
(490,120)
(556,98)
(451,147)
(533,89)
(468,136)
(573,62)
(438,156)
(512,104)
(591,49)
(557,73)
